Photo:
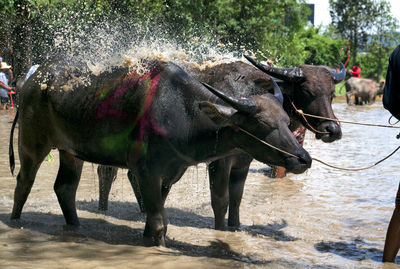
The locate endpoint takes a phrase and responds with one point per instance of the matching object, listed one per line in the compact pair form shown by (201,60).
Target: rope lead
(315,159)
(360,168)
(343,121)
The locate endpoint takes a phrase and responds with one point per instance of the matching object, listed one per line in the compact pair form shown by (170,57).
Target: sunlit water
(322,218)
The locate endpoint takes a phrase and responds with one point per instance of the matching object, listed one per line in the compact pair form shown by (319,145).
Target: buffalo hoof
(142,208)
(150,241)
(219,228)
(16,223)
(102,207)
(233,223)
(70,228)
(160,241)
(234,228)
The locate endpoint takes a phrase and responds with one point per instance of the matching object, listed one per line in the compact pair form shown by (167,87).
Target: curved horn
(339,76)
(286,74)
(277,91)
(246,105)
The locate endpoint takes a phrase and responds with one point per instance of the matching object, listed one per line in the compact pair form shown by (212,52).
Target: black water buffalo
(310,88)
(156,125)
(363,90)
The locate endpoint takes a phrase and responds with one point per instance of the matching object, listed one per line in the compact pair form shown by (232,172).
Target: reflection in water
(322,218)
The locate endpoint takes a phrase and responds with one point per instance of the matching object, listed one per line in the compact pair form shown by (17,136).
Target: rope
(266,143)
(314,159)
(317,160)
(392,123)
(305,119)
(343,121)
(360,168)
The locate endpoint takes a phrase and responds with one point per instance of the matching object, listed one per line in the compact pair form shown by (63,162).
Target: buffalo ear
(219,114)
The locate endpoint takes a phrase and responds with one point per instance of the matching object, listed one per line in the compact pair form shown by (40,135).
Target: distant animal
(156,124)
(363,90)
(310,88)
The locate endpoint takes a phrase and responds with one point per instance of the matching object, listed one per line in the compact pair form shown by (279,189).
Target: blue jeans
(4,96)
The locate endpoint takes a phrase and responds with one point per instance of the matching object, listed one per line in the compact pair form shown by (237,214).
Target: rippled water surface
(322,218)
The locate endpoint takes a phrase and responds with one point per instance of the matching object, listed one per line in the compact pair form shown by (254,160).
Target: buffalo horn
(277,91)
(286,74)
(339,76)
(246,105)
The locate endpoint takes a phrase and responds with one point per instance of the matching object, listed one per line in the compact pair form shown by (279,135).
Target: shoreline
(342,99)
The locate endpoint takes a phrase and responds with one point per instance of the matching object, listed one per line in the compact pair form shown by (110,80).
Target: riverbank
(342,99)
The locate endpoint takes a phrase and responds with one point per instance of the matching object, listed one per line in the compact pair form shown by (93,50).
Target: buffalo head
(381,87)
(260,118)
(311,89)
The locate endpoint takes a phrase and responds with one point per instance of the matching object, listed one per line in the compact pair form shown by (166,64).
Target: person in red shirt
(356,70)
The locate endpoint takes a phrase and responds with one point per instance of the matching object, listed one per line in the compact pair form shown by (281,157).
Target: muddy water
(322,218)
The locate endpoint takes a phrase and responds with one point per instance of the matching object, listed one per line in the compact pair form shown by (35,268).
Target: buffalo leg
(348,98)
(371,99)
(154,196)
(107,175)
(66,184)
(219,179)
(349,95)
(25,179)
(236,187)
(356,101)
(164,189)
(136,189)
(156,221)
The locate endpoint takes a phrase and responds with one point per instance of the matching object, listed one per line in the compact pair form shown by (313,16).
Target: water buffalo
(310,88)
(156,125)
(363,90)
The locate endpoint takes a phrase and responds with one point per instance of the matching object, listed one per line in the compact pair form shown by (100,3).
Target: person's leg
(4,98)
(392,242)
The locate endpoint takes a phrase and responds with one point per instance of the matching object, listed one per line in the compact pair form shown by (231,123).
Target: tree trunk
(355,47)
(379,67)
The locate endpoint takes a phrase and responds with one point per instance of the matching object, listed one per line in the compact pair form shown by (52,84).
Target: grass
(340,89)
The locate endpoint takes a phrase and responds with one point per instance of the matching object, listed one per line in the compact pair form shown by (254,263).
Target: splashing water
(115,41)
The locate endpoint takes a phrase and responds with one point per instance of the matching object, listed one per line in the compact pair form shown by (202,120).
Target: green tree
(353,19)
(274,28)
(265,25)
(383,38)
(375,61)
(320,49)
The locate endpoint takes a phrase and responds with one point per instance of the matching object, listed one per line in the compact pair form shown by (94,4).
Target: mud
(323,218)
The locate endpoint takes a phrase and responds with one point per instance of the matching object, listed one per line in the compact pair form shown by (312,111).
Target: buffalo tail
(11,147)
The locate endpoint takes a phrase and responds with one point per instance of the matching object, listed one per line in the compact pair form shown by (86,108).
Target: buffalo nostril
(333,130)
(329,129)
(305,159)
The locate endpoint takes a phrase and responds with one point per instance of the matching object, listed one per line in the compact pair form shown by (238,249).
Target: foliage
(321,49)
(353,19)
(370,27)
(273,29)
(382,41)
(374,63)
(340,89)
